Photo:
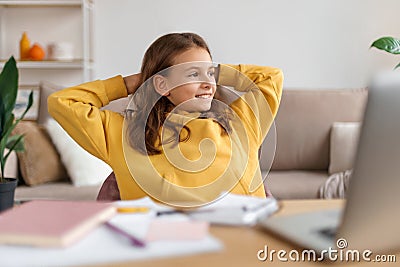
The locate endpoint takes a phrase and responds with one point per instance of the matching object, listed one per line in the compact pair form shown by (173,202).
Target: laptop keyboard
(328,232)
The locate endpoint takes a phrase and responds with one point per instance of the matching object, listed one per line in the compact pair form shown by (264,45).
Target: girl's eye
(194,74)
(211,73)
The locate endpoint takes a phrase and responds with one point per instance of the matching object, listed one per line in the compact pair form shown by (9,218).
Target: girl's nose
(207,86)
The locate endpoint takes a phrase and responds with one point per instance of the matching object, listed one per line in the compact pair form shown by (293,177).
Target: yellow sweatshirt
(100,132)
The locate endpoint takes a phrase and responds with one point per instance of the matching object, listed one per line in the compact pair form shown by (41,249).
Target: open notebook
(51,223)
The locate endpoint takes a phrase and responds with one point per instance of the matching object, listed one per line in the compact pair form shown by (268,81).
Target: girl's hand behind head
(132,82)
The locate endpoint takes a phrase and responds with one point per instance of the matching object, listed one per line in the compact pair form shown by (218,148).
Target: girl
(173,144)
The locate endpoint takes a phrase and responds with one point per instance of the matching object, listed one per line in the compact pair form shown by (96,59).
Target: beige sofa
(303,149)
(302,158)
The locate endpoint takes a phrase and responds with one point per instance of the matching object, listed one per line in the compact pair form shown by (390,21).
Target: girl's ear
(160,84)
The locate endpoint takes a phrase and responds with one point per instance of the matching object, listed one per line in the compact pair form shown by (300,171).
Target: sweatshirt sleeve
(77,110)
(262,88)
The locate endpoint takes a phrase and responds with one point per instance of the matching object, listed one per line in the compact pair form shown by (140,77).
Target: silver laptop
(371,217)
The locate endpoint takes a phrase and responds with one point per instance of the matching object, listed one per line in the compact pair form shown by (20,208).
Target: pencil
(134,240)
(132,209)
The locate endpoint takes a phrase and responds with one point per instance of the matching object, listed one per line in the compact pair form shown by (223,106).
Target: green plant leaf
(16,143)
(388,44)
(7,124)
(398,65)
(3,140)
(8,96)
(7,133)
(3,144)
(8,91)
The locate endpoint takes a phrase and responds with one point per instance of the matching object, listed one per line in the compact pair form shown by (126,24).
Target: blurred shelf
(21,3)
(73,8)
(47,64)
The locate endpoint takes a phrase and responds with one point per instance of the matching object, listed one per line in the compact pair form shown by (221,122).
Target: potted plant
(388,44)
(8,97)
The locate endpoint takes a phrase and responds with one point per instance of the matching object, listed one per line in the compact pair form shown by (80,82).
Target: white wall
(317,43)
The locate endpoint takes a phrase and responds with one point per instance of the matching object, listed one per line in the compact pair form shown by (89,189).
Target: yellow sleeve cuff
(227,74)
(231,75)
(115,88)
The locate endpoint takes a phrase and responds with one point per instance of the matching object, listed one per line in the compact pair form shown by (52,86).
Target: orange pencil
(132,209)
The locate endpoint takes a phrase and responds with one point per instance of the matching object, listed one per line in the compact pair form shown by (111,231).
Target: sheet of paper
(102,246)
(105,246)
(236,210)
(162,229)
(149,227)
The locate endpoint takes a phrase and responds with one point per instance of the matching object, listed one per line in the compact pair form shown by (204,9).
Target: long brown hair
(151,117)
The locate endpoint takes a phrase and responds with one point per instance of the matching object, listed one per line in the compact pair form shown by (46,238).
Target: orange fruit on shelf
(36,52)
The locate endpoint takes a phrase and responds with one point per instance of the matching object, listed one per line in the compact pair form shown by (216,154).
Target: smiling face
(191,82)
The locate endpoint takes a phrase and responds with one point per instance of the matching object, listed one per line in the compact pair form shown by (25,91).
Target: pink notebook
(52,223)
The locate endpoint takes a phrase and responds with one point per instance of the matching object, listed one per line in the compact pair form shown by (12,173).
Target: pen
(132,209)
(134,240)
(188,212)
(166,212)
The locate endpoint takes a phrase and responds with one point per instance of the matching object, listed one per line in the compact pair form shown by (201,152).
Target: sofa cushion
(118,105)
(83,168)
(336,186)
(46,89)
(344,141)
(58,191)
(11,167)
(295,184)
(40,162)
(304,121)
